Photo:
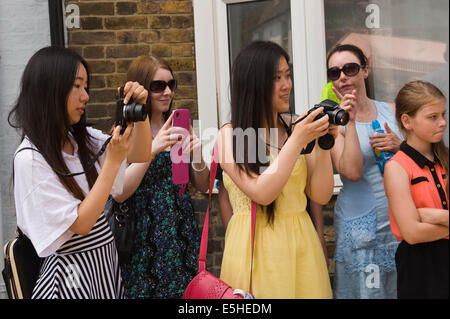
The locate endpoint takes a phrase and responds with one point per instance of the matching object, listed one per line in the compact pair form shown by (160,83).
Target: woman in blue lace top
(365,246)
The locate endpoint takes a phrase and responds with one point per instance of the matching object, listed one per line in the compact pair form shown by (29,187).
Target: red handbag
(205,285)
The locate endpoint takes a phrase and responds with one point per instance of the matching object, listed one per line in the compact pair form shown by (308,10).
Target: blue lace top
(363,234)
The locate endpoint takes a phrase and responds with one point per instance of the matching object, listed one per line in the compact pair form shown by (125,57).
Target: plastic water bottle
(380,156)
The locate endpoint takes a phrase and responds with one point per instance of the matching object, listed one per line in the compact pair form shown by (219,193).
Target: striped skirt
(85,267)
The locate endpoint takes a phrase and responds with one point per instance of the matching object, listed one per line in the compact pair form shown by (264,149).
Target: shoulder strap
(18,151)
(253,245)
(204,242)
(19,232)
(89,165)
(25,148)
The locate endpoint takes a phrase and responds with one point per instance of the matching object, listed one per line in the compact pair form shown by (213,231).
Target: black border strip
(55,10)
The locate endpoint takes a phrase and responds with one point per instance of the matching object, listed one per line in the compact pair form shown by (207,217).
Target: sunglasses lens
(172,84)
(334,73)
(160,86)
(157,86)
(351,69)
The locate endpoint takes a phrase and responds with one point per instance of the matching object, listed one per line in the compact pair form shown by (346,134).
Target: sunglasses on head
(160,86)
(349,69)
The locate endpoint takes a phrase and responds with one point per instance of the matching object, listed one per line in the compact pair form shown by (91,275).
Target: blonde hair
(142,70)
(411,97)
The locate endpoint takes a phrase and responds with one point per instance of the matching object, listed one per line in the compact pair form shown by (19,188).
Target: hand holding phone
(180,160)
(166,136)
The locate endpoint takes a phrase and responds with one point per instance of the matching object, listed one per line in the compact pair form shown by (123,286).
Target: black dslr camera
(131,112)
(336,115)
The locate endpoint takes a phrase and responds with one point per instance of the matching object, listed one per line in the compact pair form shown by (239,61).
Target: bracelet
(198,170)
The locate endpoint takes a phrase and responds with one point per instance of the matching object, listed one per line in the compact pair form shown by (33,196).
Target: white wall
(24,28)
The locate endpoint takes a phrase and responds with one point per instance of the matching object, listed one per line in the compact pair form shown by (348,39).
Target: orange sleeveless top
(427,182)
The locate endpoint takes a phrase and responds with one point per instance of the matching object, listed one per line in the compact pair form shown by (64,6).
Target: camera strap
(287,127)
(308,149)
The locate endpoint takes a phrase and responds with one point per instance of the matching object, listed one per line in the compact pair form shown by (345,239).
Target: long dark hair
(252,85)
(363,61)
(142,70)
(41,111)
(411,97)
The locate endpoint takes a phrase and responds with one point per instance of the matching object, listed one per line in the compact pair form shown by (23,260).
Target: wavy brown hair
(142,70)
(411,97)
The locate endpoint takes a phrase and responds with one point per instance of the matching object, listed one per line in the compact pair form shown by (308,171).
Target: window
(403,40)
(223,27)
(258,20)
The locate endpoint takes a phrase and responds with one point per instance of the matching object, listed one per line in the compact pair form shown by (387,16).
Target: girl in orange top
(416,184)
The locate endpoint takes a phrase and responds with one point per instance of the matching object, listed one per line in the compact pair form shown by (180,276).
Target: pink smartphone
(180,161)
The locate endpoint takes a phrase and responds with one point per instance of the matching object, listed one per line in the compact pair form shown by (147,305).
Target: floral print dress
(165,252)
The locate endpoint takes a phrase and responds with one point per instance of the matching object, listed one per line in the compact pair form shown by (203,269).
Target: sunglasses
(349,69)
(160,86)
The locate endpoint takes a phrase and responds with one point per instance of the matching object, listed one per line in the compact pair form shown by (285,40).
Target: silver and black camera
(131,112)
(336,116)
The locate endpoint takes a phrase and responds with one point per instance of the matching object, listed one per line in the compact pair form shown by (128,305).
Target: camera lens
(134,112)
(341,117)
(326,142)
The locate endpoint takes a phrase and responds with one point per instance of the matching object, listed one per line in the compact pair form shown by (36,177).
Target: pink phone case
(180,161)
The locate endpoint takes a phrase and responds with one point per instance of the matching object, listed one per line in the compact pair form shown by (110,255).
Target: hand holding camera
(131,106)
(119,145)
(326,111)
(309,127)
(135,91)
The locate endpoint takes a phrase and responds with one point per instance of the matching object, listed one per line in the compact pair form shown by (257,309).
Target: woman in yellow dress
(288,258)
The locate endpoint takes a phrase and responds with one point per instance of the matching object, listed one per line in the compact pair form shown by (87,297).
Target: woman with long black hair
(288,260)
(63,215)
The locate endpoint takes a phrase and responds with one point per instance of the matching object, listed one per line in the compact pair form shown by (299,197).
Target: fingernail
(180,138)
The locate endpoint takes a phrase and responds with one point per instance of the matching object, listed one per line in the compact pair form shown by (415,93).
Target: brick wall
(111,34)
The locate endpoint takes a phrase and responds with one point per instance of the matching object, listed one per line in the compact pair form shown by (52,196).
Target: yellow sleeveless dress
(288,260)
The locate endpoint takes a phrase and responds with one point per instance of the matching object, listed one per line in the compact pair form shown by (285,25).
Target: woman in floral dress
(165,251)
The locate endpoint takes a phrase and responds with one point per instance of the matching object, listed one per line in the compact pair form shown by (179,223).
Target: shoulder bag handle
(204,242)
